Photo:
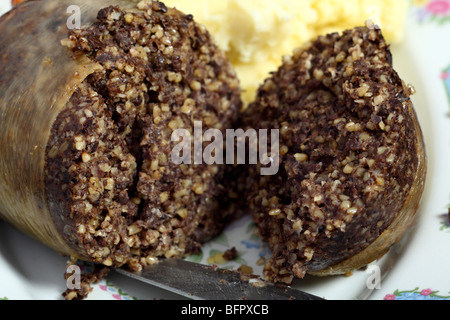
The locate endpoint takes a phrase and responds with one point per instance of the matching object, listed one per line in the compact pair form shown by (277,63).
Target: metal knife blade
(201,282)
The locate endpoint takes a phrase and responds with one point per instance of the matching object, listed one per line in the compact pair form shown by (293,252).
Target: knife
(201,282)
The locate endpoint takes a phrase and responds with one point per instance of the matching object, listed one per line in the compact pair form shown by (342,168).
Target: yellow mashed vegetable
(256,34)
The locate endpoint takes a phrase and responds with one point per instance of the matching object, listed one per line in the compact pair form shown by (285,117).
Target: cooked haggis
(87,120)
(349,154)
(109,169)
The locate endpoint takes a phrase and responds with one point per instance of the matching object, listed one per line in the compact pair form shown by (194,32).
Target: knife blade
(201,282)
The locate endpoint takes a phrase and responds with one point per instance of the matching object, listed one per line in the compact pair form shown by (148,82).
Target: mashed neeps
(255,34)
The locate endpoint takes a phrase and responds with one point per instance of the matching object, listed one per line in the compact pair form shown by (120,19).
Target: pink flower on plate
(439,7)
(389,297)
(426,292)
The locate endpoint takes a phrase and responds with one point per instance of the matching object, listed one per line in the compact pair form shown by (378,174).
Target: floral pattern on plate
(445,76)
(116,293)
(250,250)
(417,294)
(432,11)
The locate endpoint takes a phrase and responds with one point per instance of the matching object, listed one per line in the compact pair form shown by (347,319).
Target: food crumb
(245,270)
(217,259)
(230,254)
(223,257)
(261,261)
(257,283)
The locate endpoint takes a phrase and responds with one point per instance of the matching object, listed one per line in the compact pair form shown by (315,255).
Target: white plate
(417,268)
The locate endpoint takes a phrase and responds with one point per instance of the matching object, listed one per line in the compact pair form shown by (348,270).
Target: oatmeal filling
(347,152)
(110,177)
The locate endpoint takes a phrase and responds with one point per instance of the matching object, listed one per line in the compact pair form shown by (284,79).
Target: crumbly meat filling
(347,150)
(110,178)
